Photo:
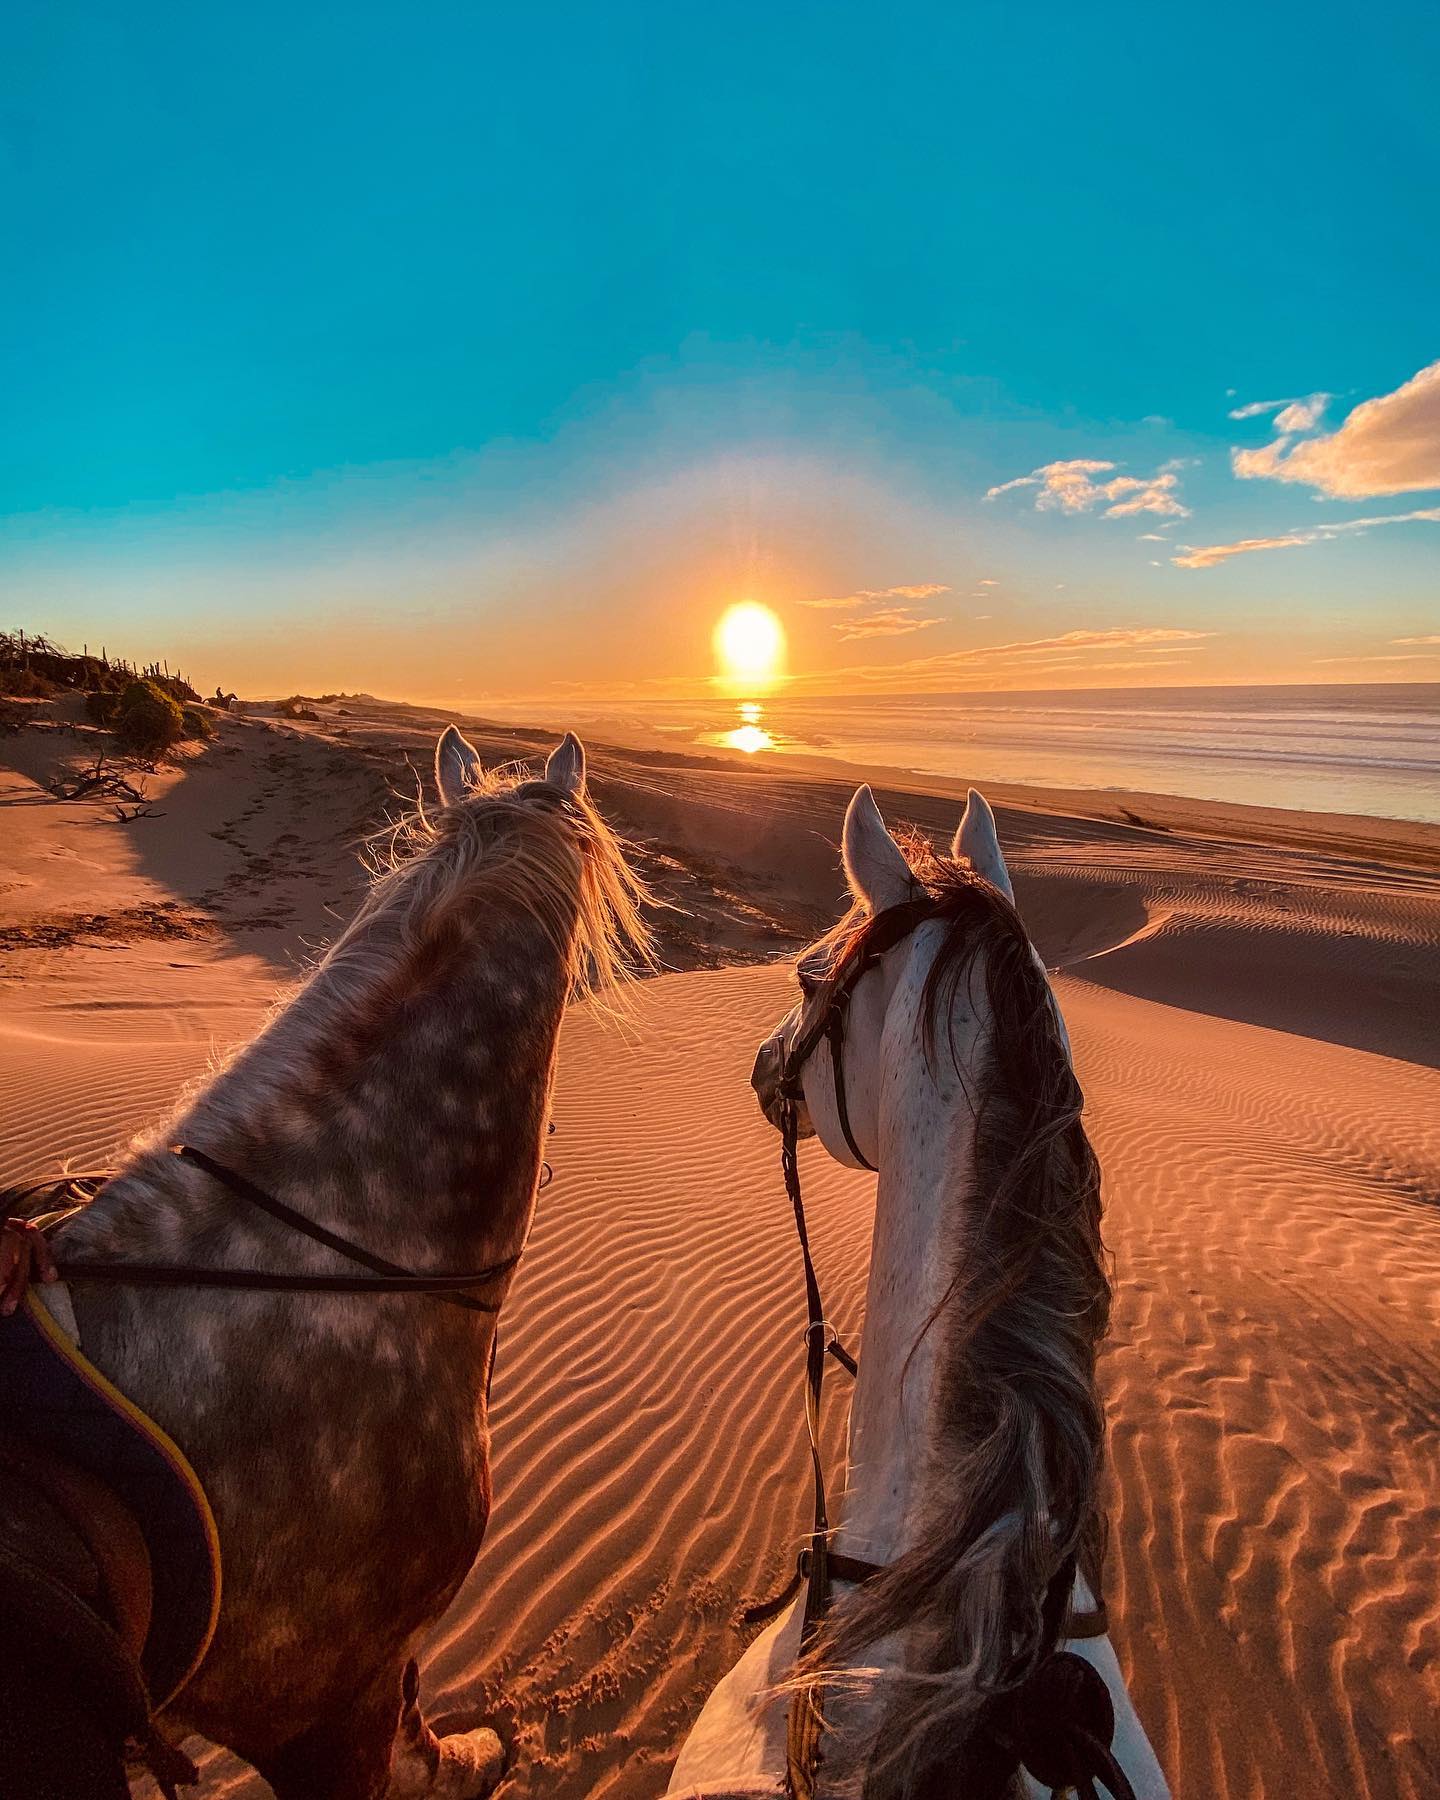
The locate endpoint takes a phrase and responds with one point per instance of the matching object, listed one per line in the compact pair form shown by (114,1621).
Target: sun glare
(748,738)
(750,645)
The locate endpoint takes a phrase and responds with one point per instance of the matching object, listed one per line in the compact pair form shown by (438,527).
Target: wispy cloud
(1389,445)
(1128,635)
(1071,656)
(894,622)
(1432,637)
(1408,656)
(1071,487)
(924,590)
(874,612)
(1130,662)
(1206,556)
(1073,647)
(1290,415)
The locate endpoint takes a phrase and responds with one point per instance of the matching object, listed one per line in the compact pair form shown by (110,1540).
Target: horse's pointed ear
(565,766)
(457,766)
(875,865)
(977,842)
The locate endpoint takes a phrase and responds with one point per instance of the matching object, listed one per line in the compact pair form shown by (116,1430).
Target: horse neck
(401,1096)
(927,1157)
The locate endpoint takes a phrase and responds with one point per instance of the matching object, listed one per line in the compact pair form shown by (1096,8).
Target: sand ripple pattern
(1273,1380)
(1274,1389)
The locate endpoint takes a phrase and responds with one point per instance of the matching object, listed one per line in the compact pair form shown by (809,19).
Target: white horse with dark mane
(962,1647)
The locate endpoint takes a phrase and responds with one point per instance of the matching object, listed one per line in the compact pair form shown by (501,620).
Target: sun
(750,645)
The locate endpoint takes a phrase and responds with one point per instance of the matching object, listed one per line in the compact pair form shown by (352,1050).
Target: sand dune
(1255,1026)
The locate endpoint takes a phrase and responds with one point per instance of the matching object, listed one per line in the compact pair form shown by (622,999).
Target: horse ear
(457,766)
(875,865)
(977,842)
(412,1722)
(565,766)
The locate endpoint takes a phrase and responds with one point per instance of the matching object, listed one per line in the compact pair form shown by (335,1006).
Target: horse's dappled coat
(399,1098)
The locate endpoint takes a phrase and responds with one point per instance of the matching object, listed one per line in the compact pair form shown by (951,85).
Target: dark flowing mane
(1017,1428)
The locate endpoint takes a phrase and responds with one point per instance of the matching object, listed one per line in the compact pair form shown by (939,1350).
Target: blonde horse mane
(513,845)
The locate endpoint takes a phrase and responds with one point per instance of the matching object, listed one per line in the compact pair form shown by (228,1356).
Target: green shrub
(147,722)
(197,723)
(100,707)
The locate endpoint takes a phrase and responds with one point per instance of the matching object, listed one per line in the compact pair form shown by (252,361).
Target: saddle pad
(50,1395)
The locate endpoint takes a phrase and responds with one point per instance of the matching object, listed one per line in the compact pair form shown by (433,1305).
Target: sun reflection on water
(750,735)
(749,738)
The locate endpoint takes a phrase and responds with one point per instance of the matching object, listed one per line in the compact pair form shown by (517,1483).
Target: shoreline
(1352,751)
(1366,836)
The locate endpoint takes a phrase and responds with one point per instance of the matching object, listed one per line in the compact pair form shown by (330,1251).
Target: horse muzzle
(767,1079)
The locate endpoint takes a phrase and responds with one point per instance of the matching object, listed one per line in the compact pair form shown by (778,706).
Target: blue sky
(453,350)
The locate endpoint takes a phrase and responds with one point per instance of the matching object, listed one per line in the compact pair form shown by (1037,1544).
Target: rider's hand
(24,1257)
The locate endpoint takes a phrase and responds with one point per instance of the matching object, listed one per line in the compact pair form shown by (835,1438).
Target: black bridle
(830,995)
(1060,1721)
(834,990)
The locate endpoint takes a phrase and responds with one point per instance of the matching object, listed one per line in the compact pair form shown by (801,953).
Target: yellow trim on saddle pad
(52,1394)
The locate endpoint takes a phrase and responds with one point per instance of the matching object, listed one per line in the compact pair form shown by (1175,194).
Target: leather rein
(817,1563)
(384,1277)
(1068,1745)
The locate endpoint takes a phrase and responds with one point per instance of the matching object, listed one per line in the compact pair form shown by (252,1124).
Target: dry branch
(100,782)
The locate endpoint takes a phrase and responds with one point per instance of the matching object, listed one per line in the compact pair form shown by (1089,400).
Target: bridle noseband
(885,931)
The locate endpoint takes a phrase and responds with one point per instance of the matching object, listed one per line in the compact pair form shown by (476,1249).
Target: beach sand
(1254,1000)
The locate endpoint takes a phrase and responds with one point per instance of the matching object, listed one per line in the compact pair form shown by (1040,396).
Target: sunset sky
(459,351)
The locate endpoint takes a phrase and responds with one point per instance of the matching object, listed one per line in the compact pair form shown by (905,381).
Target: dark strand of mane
(1018,1425)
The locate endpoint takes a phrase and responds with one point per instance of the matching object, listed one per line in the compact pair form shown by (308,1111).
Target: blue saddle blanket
(52,1396)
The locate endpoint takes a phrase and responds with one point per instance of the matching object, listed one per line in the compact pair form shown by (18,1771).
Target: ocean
(1372,749)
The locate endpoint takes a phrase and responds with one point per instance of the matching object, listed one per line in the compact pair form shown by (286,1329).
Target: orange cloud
(924,590)
(875,618)
(1407,656)
(1128,635)
(1389,445)
(1070,649)
(1206,556)
(893,622)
